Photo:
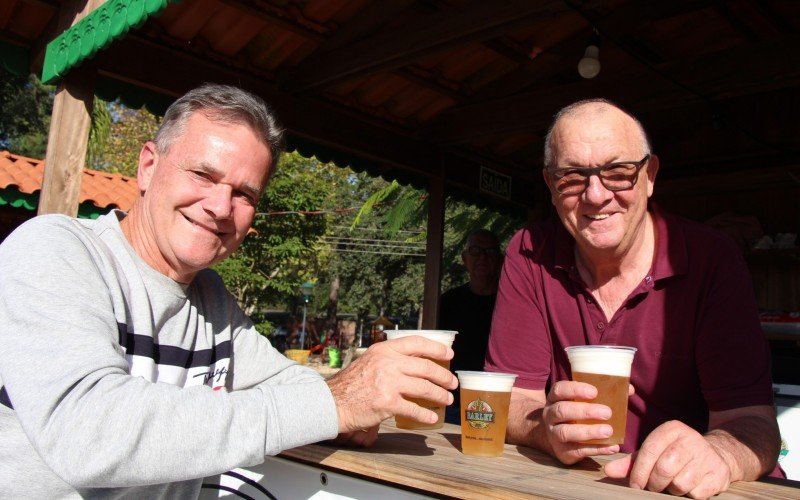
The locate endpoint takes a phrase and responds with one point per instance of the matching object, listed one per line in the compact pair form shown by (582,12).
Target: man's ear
(652,171)
(546,177)
(148,159)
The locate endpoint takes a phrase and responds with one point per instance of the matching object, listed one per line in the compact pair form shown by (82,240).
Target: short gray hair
(227,104)
(572,110)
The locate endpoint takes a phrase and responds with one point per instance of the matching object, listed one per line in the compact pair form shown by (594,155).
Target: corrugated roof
(102,189)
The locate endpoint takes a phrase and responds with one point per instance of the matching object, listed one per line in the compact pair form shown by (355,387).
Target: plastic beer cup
(485,398)
(608,368)
(445,337)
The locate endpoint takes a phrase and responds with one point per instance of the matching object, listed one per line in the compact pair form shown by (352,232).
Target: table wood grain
(431,463)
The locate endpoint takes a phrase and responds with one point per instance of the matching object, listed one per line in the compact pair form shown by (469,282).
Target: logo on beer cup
(479,414)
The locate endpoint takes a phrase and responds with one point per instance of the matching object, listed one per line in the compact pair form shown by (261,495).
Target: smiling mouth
(599,216)
(211,230)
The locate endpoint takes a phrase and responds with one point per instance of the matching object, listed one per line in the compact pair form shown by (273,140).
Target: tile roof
(102,189)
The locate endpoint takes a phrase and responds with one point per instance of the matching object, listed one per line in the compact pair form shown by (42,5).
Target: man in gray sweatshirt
(126,367)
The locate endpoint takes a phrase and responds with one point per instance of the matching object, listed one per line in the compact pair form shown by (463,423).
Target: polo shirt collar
(671,257)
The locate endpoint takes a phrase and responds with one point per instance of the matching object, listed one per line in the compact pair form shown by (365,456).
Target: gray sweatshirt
(116,381)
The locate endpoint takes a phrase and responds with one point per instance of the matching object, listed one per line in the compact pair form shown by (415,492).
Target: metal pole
(303,331)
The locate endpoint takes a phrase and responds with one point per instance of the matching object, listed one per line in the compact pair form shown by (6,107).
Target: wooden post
(69,126)
(433,253)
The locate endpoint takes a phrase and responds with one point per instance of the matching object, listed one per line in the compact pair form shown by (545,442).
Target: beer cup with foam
(445,337)
(608,368)
(485,398)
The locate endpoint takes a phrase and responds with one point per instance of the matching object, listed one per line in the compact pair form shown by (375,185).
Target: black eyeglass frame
(587,172)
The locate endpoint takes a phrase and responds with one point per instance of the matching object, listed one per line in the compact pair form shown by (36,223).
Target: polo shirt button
(588,300)
(648,279)
(600,325)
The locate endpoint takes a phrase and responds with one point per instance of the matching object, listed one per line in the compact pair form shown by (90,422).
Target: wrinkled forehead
(596,130)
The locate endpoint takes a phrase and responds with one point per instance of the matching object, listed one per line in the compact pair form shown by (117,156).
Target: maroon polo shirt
(693,319)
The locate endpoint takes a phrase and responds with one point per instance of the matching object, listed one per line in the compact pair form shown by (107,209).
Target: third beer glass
(608,368)
(485,397)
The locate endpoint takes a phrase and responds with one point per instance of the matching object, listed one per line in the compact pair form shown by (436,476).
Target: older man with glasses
(468,308)
(614,269)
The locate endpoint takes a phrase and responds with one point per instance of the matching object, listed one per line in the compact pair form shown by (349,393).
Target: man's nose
(219,201)
(596,193)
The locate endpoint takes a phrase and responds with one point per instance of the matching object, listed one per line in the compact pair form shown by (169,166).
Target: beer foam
(605,360)
(486,381)
(445,337)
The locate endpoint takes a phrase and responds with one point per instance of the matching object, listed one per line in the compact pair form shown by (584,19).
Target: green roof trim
(12,197)
(96,31)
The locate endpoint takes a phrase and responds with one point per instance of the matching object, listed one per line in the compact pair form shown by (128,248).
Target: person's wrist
(718,441)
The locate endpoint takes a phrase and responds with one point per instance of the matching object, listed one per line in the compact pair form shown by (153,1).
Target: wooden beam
(309,30)
(621,21)
(733,72)
(365,138)
(67,143)
(69,127)
(474,21)
(368,20)
(6,8)
(433,253)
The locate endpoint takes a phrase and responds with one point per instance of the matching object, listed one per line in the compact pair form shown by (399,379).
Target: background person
(127,369)
(468,308)
(614,269)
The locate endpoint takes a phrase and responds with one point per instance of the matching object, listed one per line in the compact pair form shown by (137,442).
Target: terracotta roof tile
(102,189)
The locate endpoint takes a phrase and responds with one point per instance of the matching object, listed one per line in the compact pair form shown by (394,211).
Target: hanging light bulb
(589,66)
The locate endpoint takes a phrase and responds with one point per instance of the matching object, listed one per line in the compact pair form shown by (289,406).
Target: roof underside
(413,89)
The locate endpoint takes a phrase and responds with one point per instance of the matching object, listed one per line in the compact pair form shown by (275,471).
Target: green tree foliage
(408,207)
(285,250)
(380,271)
(26,107)
(99,132)
(127,129)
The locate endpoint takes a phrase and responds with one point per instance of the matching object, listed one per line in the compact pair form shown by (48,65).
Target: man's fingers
(382,381)
(650,452)
(422,368)
(581,433)
(566,390)
(619,468)
(572,452)
(415,345)
(569,412)
(416,412)
(672,462)
(686,480)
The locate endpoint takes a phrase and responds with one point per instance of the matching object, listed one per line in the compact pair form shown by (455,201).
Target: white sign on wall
(495,183)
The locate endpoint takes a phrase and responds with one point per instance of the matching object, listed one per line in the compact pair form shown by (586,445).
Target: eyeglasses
(475,250)
(617,176)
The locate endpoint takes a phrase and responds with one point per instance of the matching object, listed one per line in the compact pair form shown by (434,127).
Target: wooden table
(431,463)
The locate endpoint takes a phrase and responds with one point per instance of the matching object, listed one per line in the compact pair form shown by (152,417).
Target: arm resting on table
(747,439)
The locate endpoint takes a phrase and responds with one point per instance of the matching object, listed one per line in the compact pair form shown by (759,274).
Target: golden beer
(485,398)
(445,337)
(407,423)
(608,368)
(612,391)
(484,417)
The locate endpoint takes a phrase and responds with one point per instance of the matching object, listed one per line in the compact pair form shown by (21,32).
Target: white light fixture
(589,66)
